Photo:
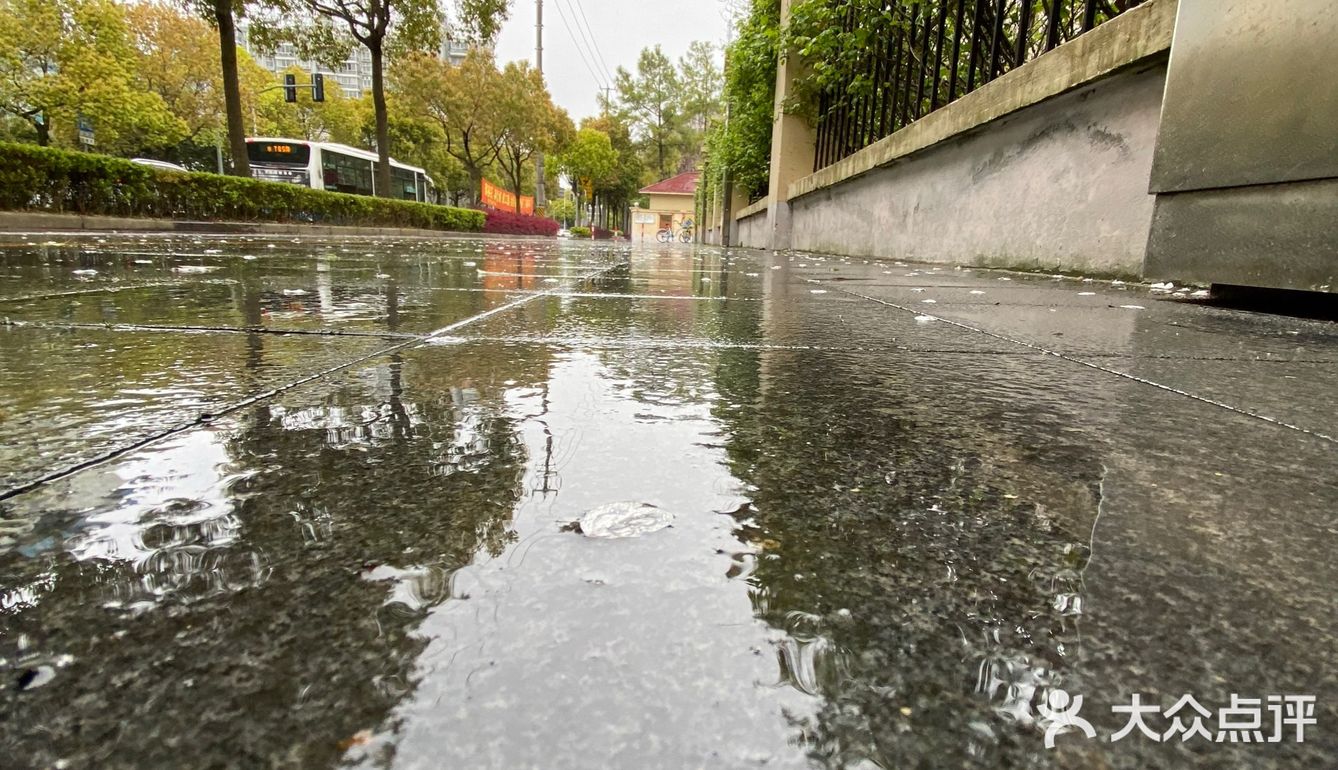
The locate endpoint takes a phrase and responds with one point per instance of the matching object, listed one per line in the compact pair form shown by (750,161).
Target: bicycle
(667,235)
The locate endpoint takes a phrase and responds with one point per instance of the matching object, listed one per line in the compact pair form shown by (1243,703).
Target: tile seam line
(117,288)
(670,343)
(280,332)
(1090,365)
(208,417)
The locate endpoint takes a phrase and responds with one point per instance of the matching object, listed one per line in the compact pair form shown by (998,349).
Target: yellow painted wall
(679,207)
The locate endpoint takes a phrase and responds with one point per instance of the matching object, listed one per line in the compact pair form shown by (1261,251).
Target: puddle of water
(71,395)
(879,555)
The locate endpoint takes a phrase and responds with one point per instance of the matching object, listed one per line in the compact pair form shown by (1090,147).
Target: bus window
(402,183)
(344,173)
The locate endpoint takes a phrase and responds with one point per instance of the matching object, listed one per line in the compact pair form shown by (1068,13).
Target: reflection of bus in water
(334,167)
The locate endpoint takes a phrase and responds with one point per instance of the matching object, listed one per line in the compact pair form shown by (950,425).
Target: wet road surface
(305,503)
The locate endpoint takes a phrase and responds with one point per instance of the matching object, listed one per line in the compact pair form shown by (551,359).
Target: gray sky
(621,28)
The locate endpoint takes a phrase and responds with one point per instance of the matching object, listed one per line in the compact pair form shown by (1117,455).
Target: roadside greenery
(323,30)
(741,143)
(667,108)
(62,60)
(167,80)
(511,223)
(489,122)
(44,179)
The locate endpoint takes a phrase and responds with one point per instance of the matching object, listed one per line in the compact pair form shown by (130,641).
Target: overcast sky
(621,28)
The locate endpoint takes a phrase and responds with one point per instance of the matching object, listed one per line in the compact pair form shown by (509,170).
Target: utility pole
(540,200)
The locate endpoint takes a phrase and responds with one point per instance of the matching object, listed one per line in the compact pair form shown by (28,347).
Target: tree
(649,100)
(337,119)
(562,209)
(177,57)
(701,80)
(462,101)
(618,188)
(222,14)
(529,122)
(589,159)
(65,59)
(417,26)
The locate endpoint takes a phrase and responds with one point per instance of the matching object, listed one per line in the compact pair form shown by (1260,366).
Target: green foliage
(530,123)
(64,59)
(562,209)
(668,108)
(580,232)
(628,174)
(702,80)
(589,157)
(461,101)
(36,178)
(743,143)
(649,102)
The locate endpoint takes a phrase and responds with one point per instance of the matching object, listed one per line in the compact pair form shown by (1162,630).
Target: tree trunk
(382,123)
(476,181)
(232,89)
(515,179)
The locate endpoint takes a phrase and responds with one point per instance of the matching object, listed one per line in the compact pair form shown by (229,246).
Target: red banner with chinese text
(495,197)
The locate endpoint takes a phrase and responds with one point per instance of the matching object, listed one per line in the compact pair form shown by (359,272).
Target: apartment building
(353,75)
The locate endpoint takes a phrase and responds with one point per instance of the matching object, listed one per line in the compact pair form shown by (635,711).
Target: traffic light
(290,88)
(317,87)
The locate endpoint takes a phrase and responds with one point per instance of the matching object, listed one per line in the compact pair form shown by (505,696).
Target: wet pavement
(305,503)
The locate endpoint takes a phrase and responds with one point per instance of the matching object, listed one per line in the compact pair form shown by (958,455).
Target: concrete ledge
(37,221)
(760,207)
(1129,38)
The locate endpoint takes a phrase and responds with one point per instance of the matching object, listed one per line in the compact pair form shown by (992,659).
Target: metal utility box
(1246,166)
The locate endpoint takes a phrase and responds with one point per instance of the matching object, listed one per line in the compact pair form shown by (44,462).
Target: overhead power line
(579,49)
(594,44)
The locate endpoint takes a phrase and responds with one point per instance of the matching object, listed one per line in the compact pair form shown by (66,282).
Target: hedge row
(511,223)
(44,179)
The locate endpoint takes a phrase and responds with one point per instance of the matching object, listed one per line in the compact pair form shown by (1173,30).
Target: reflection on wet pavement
(880,538)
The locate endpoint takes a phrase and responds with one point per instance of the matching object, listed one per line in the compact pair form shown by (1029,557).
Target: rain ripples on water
(874,542)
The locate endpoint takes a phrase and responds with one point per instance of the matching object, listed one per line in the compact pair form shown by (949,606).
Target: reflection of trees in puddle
(276,597)
(924,565)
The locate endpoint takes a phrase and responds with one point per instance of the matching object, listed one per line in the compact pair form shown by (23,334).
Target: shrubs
(510,223)
(580,232)
(43,179)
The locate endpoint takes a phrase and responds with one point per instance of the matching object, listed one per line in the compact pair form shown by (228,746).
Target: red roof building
(683,184)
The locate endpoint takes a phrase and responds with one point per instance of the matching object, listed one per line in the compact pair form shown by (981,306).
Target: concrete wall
(753,232)
(1058,185)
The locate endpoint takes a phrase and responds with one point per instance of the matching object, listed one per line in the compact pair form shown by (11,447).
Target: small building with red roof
(672,203)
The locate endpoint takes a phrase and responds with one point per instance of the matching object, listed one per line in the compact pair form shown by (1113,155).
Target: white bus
(334,167)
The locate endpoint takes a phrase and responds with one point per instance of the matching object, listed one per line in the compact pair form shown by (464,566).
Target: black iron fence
(934,52)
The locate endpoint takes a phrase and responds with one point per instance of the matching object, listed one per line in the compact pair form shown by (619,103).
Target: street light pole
(540,200)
